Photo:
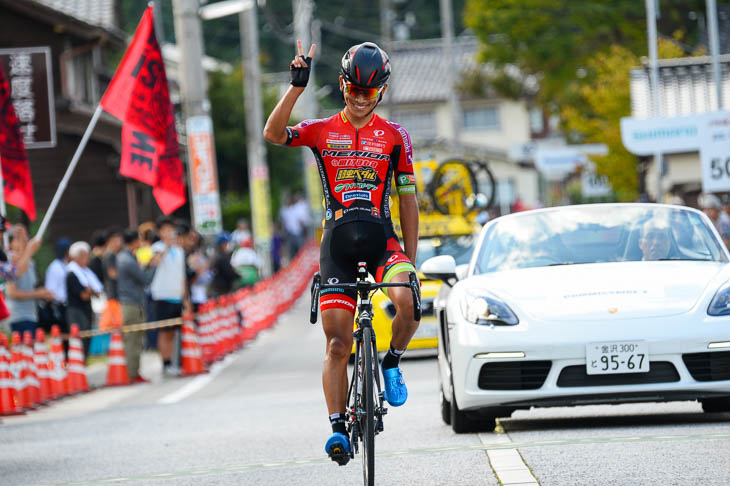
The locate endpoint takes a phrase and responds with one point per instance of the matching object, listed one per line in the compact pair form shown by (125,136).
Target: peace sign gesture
(300,66)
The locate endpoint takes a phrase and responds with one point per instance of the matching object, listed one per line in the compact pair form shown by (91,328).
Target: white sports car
(603,303)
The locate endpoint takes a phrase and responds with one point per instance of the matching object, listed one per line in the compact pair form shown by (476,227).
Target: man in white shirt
(168,288)
(56,283)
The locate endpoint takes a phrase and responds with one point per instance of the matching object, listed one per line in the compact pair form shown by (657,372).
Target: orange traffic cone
(192,360)
(40,358)
(57,364)
(8,395)
(18,369)
(117,373)
(31,375)
(76,372)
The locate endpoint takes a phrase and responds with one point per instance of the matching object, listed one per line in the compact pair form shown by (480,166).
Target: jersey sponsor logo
(356,173)
(338,214)
(406,179)
(375,212)
(350,195)
(397,258)
(406,189)
(354,153)
(355,185)
(339,146)
(333,280)
(339,140)
(328,215)
(371,148)
(379,133)
(353,163)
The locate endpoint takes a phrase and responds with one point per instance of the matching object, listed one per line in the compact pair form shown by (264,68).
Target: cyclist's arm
(408,206)
(275,129)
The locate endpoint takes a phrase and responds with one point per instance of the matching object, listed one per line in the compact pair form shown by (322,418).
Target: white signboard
(556,163)
(204,176)
(708,133)
(594,185)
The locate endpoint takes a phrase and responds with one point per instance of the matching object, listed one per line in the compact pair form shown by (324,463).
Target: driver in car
(655,242)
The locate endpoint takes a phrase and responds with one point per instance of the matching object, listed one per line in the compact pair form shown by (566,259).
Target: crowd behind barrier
(32,375)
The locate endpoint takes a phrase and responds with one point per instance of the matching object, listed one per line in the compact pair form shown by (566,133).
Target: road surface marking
(494,447)
(198,382)
(507,463)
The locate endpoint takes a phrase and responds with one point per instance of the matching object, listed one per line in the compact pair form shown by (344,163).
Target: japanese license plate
(617,357)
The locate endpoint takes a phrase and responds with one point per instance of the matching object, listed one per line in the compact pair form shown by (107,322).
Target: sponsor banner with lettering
(29,74)
(138,95)
(203,175)
(715,153)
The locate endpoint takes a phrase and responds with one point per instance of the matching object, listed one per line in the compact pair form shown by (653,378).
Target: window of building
(419,123)
(481,118)
(537,124)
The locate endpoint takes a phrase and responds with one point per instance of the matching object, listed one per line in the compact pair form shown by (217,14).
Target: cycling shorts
(358,241)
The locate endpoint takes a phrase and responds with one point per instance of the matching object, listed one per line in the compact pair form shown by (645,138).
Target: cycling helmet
(365,65)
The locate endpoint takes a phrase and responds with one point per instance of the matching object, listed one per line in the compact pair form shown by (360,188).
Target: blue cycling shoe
(338,448)
(395,388)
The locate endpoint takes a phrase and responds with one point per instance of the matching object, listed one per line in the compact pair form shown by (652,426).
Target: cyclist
(357,154)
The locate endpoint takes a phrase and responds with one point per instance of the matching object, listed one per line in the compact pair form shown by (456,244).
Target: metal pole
(308,103)
(64,182)
(654,81)
(447,34)
(3,209)
(386,37)
(258,171)
(714,49)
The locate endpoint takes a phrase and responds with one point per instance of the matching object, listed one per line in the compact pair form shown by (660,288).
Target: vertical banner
(260,207)
(715,152)
(29,73)
(203,175)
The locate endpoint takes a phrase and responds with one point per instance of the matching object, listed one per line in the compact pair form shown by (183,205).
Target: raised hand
(300,66)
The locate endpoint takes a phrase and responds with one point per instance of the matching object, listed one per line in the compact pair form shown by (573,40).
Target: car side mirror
(462,271)
(442,267)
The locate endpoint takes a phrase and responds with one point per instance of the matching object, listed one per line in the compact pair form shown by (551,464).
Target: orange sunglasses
(368,93)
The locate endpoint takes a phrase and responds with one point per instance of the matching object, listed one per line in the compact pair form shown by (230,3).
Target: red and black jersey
(356,165)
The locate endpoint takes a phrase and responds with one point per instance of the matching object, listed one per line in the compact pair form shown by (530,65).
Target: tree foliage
(598,108)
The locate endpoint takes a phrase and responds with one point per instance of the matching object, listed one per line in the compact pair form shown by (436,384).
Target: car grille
(708,366)
(426,308)
(659,372)
(514,375)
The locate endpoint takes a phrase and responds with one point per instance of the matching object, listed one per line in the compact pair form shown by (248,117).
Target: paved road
(259,418)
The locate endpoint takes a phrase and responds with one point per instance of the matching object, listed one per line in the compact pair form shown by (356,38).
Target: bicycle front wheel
(368,404)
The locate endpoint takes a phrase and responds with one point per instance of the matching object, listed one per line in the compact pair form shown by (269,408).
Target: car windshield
(595,234)
(459,247)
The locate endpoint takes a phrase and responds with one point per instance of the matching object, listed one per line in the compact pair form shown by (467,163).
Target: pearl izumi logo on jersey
(356,173)
(350,195)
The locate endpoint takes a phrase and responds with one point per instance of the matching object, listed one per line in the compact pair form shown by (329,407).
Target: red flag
(14,160)
(138,95)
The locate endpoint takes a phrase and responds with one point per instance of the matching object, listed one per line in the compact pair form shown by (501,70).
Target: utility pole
(714,49)
(386,39)
(308,102)
(654,82)
(447,34)
(258,171)
(189,35)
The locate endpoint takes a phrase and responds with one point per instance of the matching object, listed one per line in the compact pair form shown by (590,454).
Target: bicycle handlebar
(366,286)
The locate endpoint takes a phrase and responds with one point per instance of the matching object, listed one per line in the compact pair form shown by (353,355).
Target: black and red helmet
(365,65)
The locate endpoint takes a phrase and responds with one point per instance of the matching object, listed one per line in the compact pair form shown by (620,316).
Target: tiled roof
(100,13)
(686,86)
(420,74)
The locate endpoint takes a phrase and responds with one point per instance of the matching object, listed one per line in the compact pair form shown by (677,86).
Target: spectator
(276,244)
(197,270)
(712,207)
(131,283)
(147,237)
(113,245)
(224,276)
(241,233)
(247,263)
(168,288)
(293,230)
(22,294)
(96,263)
(54,312)
(81,285)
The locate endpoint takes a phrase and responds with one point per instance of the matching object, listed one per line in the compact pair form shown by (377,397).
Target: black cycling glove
(300,76)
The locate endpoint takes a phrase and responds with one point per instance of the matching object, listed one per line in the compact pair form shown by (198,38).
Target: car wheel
(464,422)
(716,405)
(445,409)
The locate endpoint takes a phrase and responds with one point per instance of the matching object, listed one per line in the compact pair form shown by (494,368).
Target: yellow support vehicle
(452,234)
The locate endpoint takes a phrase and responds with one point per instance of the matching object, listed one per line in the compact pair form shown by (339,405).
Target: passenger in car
(655,241)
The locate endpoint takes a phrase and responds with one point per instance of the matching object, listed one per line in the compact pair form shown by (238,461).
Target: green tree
(554,40)
(598,107)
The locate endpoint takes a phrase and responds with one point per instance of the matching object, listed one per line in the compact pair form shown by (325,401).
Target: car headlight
(481,307)
(720,305)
